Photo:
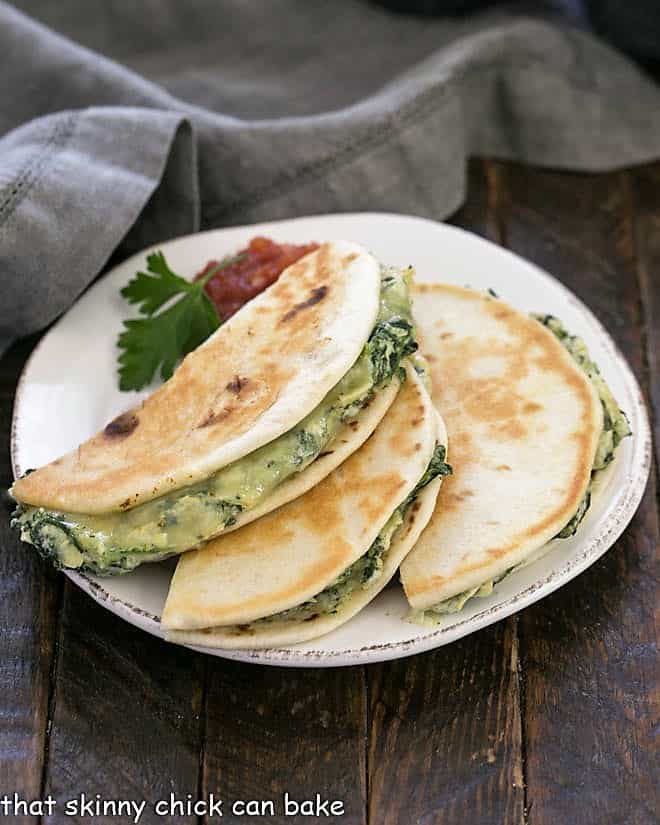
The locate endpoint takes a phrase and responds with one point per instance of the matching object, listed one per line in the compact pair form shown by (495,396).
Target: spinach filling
(615,423)
(615,429)
(363,572)
(118,542)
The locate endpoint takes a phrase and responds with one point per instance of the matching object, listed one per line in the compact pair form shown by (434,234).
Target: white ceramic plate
(68,391)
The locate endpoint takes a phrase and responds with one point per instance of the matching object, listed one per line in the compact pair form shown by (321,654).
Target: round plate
(68,391)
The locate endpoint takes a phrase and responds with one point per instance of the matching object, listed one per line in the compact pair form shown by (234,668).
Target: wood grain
(645,203)
(28,620)
(445,736)
(272,730)
(588,652)
(126,715)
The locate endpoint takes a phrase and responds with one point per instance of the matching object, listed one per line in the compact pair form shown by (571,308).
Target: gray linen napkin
(112,112)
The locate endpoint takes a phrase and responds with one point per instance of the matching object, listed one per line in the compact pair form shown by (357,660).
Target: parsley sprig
(161,339)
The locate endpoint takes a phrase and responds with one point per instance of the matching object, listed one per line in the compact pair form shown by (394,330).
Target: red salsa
(260,264)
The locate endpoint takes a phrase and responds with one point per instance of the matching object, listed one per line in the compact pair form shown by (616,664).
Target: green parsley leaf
(159,341)
(152,291)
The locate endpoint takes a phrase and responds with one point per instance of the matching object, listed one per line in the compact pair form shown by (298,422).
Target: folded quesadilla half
(530,421)
(302,374)
(309,566)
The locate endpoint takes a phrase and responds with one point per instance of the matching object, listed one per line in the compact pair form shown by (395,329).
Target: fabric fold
(297,108)
(72,186)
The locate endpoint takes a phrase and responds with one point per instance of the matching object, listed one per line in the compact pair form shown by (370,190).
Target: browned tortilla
(523,422)
(255,378)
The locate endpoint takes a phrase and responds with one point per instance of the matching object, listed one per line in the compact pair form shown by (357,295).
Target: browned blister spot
(510,429)
(283,292)
(498,552)
(383,488)
(122,426)
(215,416)
(321,510)
(237,384)
(462,453)
(451,499)
(316,296)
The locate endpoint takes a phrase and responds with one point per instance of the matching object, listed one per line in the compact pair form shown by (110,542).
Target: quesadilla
(308,567)
(309,365)
(530,421)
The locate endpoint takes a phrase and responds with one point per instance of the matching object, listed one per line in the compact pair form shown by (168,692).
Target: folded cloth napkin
(123,124)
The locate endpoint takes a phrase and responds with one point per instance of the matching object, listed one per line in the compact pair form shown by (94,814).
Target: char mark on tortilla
(316,296)
(213,417)
(237,384)
(121,426)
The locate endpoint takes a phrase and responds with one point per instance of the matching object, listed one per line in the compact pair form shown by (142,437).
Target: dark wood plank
(28,622)
(482,211)
(588,652)
(276,730)
(445,734)
(645,185)
(445,741)
(126,715)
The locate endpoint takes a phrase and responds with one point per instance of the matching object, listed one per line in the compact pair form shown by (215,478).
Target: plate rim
(626,499)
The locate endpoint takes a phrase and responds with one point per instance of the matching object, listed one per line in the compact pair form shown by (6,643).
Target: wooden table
(546,718)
